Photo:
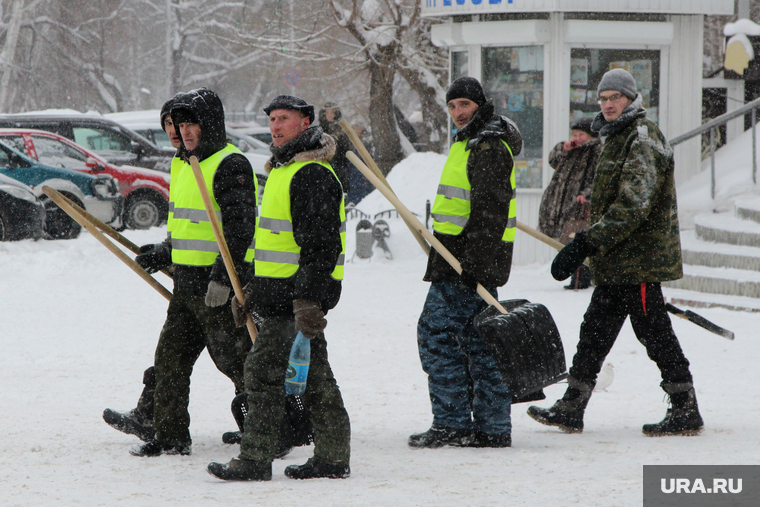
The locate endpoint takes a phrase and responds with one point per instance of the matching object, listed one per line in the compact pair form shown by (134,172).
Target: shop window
(587,66)
(513,77)
(459,64)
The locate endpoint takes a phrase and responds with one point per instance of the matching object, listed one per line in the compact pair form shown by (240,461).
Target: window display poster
(621,65)
(641,70)
(578,95)
(579,71)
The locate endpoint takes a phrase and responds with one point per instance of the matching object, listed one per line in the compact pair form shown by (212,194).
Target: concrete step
(748,208)
(688,298)
(729,281)
(727,228)
(718,255)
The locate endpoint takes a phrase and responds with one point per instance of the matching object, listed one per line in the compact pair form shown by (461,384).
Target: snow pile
(733,178)
(414,180)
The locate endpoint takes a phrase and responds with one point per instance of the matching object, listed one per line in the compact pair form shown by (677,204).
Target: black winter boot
(156,448)
(567,413)
(682,418)
(139,420)
(131,423)
(438,436)
(239,408)
(480,439)
(315,468)
(241,470)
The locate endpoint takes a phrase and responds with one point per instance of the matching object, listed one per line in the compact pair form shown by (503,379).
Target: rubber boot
(567,412)
(682,418)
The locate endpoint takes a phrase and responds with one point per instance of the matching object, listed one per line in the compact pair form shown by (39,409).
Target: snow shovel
(525,341)
(223,249)
(62,203)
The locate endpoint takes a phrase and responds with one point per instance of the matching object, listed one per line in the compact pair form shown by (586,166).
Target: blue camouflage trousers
(466,387)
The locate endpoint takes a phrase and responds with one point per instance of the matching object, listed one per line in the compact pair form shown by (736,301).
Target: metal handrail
(712,127)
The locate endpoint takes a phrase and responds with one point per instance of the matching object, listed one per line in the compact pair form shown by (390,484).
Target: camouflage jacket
(633,207)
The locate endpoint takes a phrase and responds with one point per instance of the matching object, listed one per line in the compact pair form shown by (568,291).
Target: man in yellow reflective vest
(300,250)
(199,314)
(474,217)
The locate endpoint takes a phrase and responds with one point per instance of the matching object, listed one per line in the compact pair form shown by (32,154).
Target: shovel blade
(526,345)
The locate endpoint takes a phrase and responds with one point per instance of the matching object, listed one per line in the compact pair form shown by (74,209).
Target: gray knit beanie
(619,80)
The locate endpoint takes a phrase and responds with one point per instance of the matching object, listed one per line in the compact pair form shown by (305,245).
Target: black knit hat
(166,109)
(466,88)
(183,115)
(584,125)
(291,102)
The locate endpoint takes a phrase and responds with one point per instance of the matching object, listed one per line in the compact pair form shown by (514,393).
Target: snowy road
(78,329)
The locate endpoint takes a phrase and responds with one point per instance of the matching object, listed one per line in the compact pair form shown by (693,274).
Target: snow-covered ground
(78,329)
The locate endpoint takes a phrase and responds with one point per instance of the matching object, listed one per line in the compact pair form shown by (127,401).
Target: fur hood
(313,145)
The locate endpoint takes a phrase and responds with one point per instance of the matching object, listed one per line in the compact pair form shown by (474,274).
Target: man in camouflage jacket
(633,245)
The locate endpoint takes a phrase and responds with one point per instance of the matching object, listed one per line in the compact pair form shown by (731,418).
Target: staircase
(721,256)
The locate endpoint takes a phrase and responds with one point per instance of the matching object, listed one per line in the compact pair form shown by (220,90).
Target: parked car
(261,133)
(145,191)
(22,215)
(98,195)
(148,124)
(115,143)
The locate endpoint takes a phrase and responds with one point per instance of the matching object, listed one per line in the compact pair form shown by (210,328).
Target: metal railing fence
(712,127)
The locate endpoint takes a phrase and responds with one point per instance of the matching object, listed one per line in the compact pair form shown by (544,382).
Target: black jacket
(479,247)
(315,197)
(234,190)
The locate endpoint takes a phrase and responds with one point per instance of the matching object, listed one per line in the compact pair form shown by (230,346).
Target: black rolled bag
(526,345)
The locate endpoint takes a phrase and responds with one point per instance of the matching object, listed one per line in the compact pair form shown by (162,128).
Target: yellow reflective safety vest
(451,209)
(192,237)
(277,253)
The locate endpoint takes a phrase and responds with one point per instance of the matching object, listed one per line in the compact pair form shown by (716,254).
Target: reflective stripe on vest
(277,253)
(193,241)
(451,209)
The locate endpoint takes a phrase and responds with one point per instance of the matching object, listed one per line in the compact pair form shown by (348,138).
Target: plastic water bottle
(298,365)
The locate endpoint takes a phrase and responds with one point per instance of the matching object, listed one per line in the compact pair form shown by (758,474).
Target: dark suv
(116,144)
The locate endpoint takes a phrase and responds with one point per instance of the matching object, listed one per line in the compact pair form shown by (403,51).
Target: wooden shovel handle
(421,229)
(62,203)
(108,230)
(223,248)
(359,145)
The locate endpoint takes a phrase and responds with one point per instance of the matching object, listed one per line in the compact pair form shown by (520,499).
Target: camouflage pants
(264,383)
(609,307)
(466,388)
(190,327)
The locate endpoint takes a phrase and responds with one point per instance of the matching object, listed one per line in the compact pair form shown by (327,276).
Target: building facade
(541,62)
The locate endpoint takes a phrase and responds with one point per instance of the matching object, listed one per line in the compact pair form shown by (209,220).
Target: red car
(145,191)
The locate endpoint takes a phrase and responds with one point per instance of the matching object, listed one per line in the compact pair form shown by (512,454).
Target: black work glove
(310,319)
(468,280)
(154,258)
(570,258)
(240,312)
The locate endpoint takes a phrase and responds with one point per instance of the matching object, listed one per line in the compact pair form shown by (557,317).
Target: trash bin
(364,239)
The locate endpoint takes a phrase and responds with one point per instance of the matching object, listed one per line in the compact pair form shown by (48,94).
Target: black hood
(207,107)
(485,124)
(167,108)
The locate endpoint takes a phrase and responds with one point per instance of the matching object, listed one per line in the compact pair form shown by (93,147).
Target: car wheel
(58,224)
(145,210)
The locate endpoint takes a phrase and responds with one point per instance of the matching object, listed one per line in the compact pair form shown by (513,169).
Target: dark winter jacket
(315,197)
(573,176)
(633,203)
(339,161)
(479,247)
(233,187)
